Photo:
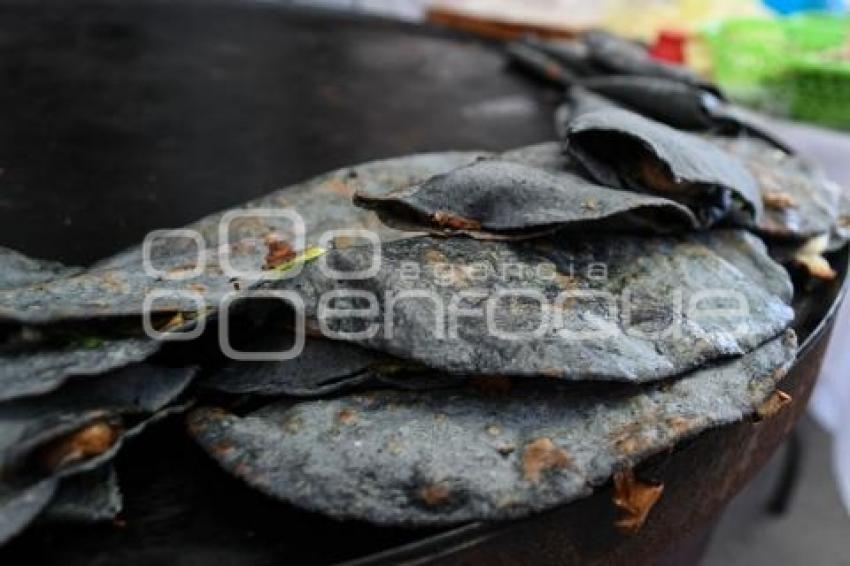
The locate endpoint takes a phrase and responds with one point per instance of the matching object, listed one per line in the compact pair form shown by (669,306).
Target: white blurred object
(410,10)
(556,14)
(830,403)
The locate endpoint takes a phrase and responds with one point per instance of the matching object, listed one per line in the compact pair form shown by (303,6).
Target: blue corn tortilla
(812,206)
(445,457)
(652,269)
(621,149)
(506,198)
(35,435)
(18,270)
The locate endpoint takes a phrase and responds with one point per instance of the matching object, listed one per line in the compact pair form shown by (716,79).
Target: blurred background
(788,57)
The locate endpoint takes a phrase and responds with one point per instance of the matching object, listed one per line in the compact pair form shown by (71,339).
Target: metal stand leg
(790,474)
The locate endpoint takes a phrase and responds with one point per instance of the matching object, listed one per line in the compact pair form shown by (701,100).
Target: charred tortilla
(621,149)
(473,307)
(57,445)
(30,373)
(799,201)
(446,457)
(81,425)
(496,197)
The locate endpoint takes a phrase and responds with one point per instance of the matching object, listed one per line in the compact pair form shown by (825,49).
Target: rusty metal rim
(446,543)
(833,309)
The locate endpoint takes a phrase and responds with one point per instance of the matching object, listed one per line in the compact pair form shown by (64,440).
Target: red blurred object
(670,47)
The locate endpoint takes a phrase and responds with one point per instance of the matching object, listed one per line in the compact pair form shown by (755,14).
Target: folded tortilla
(621,149)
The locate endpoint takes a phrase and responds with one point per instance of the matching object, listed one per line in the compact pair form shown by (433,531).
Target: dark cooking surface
(117,119)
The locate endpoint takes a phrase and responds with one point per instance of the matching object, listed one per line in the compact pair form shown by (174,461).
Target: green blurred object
(747,55)
(820,90)
(789,66)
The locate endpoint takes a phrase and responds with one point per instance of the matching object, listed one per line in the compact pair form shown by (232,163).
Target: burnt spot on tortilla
(629,444)
(347,417)
(542,455)
(683,425)
(222,448)
(435,495)
(447,219)
(90,441)
(279,251)
(340,186)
